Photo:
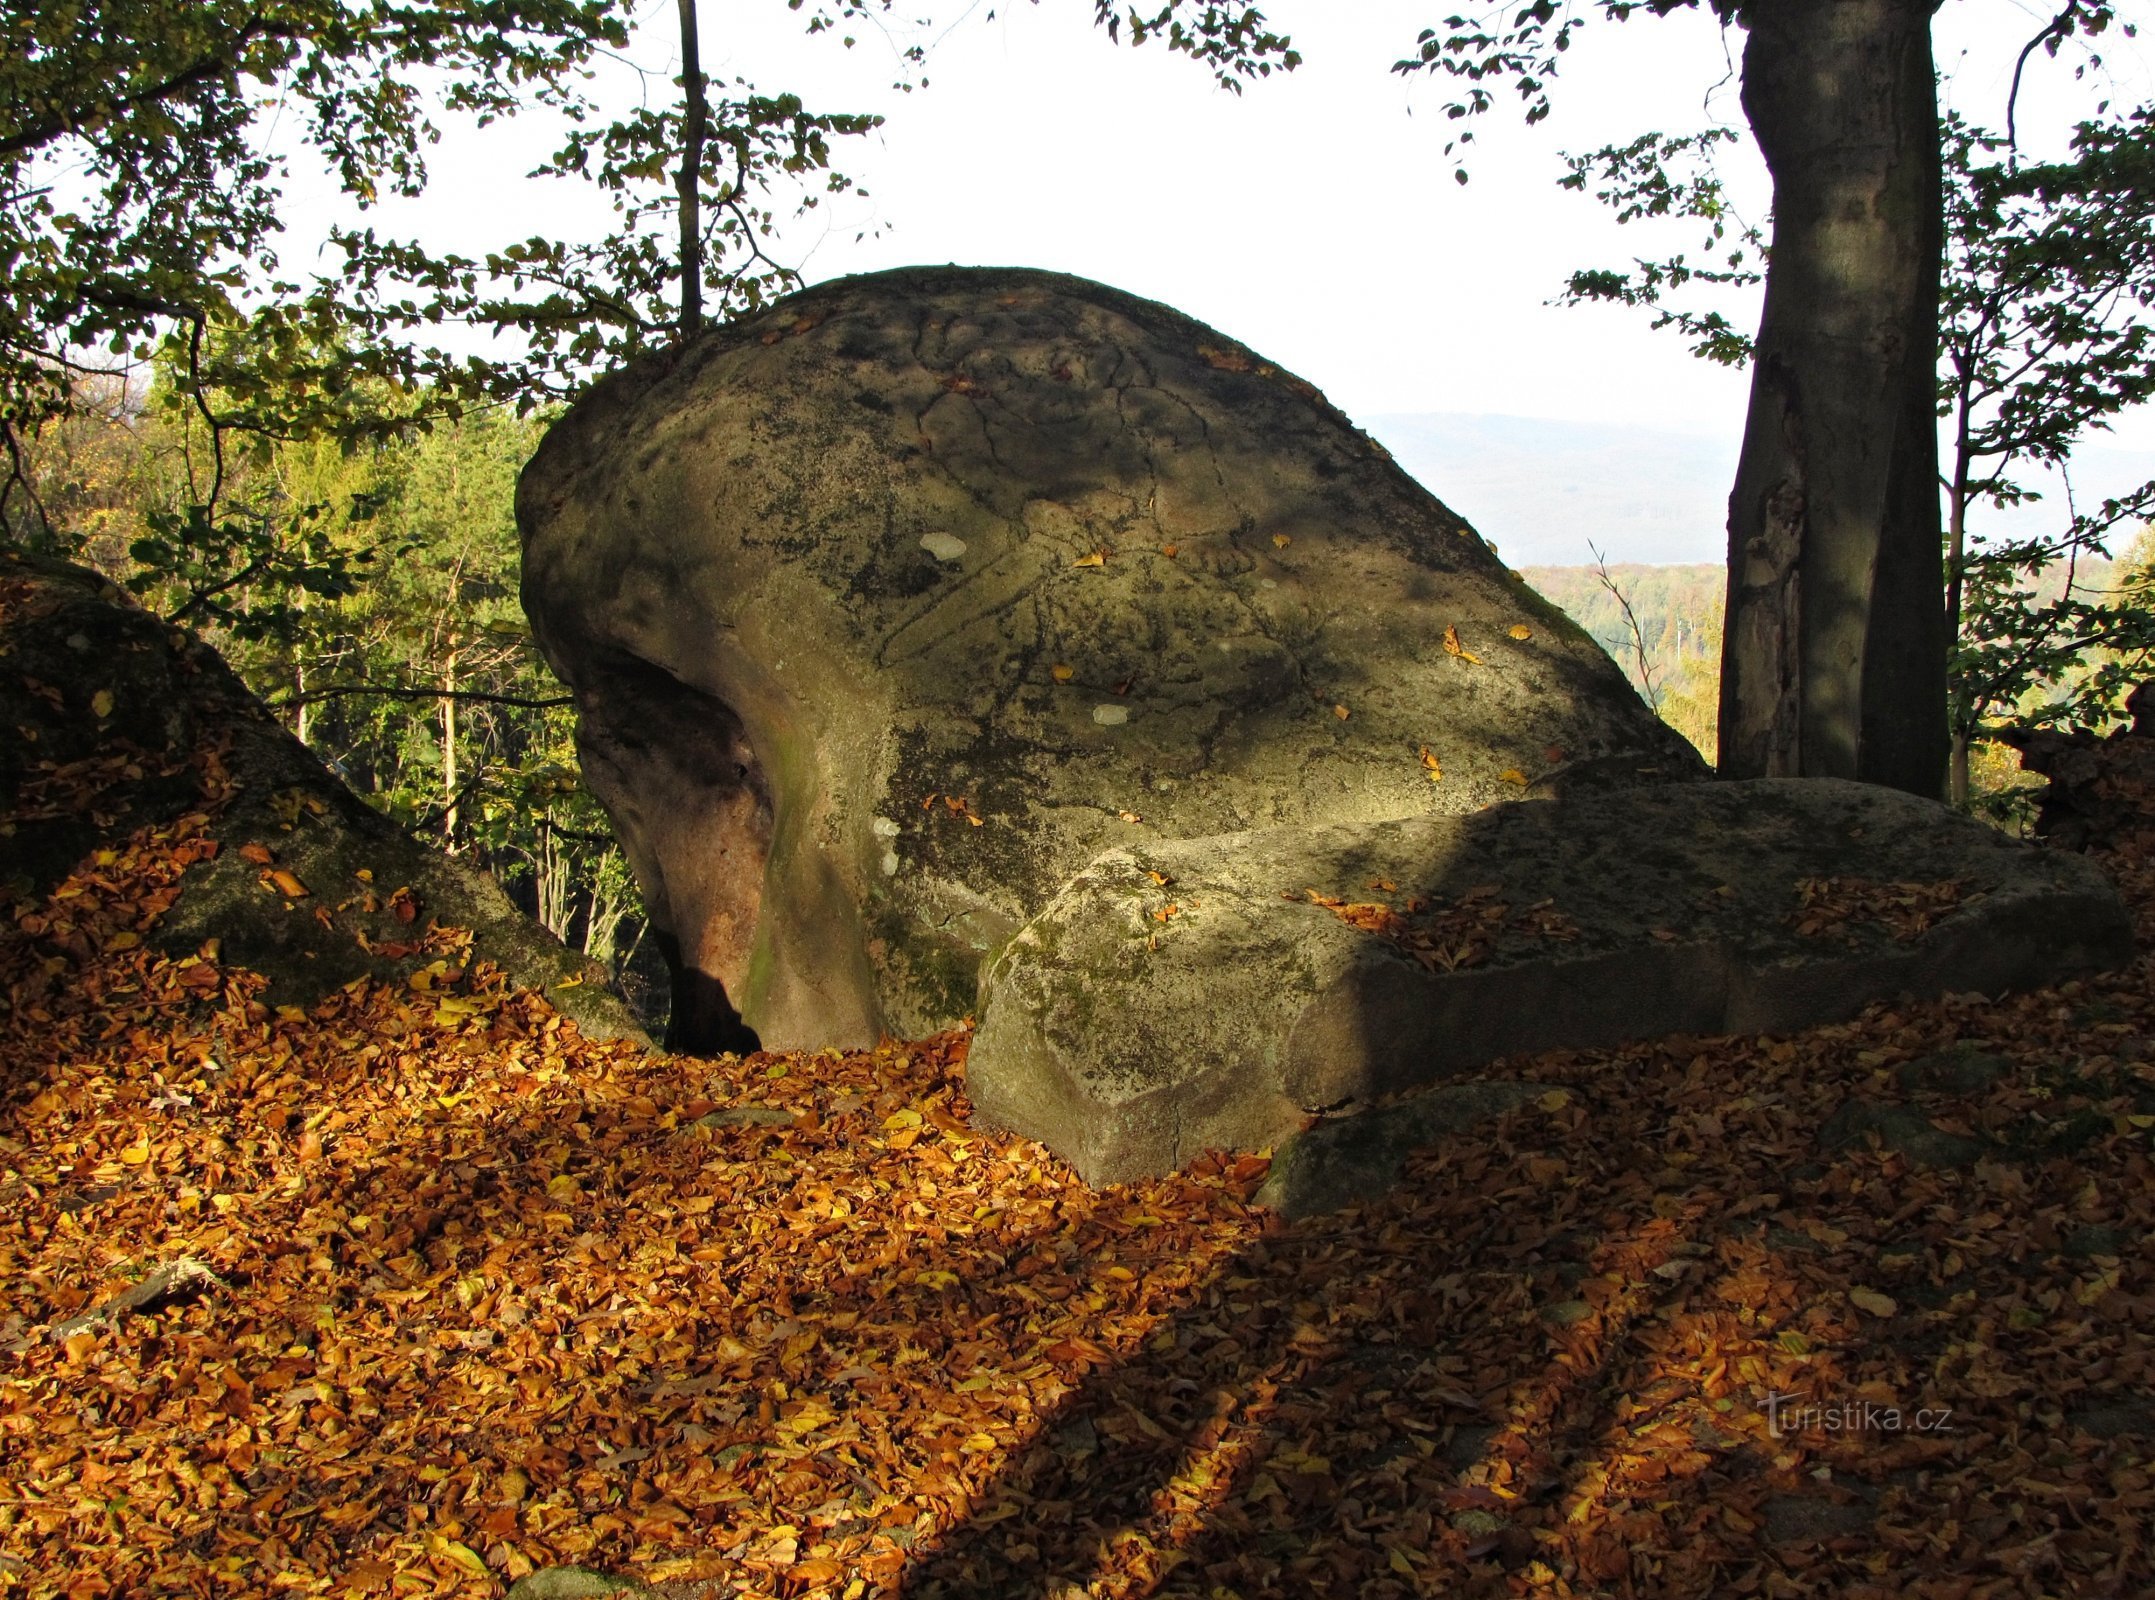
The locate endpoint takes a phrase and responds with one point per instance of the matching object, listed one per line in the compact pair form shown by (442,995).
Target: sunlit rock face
(889,608)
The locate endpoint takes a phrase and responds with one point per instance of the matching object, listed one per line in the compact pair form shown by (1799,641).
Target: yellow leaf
(1281,541)
(124,940)
(1554,1100)
(935,1278)
(1520,630)
(1452,647)
(1098,558)
(1341,712)
(1061,673)
(562,1187)
(1878,1305)
(461,1555)
(1513,775)
(101,703)
(901,1119)
(138,1152)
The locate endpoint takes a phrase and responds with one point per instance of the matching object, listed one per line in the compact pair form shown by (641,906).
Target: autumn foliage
(466,1294)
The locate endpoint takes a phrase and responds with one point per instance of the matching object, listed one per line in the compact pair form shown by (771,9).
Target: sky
(1312,217)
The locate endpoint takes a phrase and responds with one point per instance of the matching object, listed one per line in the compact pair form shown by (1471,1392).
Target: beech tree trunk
(1834,657)
(688,179)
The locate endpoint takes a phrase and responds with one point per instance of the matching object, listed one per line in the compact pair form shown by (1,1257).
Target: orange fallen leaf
(1520,630)
(287,884)
(1341,712)
(1096,558)
(1061,673)
(1224,360)
(1452,646)
(260,854)
(1281,541)
(1513,775)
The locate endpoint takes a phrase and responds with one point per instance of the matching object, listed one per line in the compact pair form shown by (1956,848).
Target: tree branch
(398,692)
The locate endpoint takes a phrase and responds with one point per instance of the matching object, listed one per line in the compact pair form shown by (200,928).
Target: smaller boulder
(1214,993)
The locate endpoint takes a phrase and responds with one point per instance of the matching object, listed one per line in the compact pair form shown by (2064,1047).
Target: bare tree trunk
(448,753)
(1956,560)
(1834,655)
(695,123)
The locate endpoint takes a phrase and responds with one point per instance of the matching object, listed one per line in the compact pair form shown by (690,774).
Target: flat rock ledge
(1216,993)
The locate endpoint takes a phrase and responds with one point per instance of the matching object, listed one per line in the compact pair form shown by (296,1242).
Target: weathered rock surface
(1194,995)
(891,607)
(117,722)
(2100,789)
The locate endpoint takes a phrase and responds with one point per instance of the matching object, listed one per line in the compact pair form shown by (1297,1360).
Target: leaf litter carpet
(418,1291)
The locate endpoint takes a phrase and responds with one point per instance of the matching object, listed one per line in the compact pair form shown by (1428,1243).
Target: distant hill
(1541,490)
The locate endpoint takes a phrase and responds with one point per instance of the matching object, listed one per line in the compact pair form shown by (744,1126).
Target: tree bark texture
(1834,658)
(688,181)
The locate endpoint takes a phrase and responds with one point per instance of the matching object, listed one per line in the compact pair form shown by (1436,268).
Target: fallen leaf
(1097,558)
(457,1555)
(287,884)
(1513,775)
(1341,712)
(1281,541)
(260,854)
(1520,630)
(1878,1305)
(101,704)
(1061,673)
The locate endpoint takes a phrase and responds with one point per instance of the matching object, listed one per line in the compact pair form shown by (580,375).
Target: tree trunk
(1834,658)
(695,123)
(448,754)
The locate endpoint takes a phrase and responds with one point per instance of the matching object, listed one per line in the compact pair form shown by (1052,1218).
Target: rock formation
(1217,993)
(117,722)
(889,608)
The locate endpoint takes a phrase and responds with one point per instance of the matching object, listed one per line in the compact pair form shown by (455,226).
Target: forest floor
(428,1291)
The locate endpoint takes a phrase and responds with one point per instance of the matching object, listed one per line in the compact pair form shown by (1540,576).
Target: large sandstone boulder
(891,607)
(1217,993)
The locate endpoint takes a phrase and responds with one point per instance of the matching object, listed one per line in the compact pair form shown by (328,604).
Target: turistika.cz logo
(1795,1413)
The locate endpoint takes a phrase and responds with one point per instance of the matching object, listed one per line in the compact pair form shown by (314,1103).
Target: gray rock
(1130,1040)
(572,1583)
(889,608)
(1900,1129)
(1346,1160)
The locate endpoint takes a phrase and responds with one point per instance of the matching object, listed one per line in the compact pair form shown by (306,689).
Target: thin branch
(42,132)
(398,692)
(2057,28)
(1631,621)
